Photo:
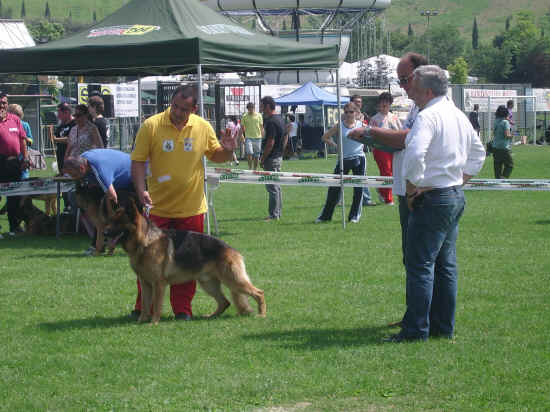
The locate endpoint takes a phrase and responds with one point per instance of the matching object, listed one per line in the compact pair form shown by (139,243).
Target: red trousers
(384,161)
(182,294)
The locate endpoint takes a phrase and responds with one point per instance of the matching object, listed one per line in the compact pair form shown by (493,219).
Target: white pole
(201,112)
(324,130)
(535,120)
(341,149)
(490,131)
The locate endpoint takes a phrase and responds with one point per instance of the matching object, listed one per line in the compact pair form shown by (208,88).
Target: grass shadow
(542,222)
(96,322)
(318,339)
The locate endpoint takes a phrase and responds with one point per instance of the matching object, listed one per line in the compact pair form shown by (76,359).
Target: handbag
(490,147)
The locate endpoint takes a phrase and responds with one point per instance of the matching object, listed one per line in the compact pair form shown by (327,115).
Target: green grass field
(67,344)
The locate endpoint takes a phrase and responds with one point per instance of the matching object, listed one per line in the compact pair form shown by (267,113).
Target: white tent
(14,35)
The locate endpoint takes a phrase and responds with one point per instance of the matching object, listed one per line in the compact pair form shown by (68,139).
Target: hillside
(491,14)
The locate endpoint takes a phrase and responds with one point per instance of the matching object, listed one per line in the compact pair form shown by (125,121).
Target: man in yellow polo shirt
(253,129)
(173,143)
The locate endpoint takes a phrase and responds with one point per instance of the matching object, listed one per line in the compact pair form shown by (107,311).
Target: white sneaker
(319,220)
(389,204)
(354,221)
(1,236)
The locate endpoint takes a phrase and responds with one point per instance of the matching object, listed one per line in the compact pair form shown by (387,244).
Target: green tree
(446,44)
(410,32)
(44,31)
(23,11)
(47,13)
(507,24)
(491,64)
(399,42)
(94,16)
(475,35)
(458,71)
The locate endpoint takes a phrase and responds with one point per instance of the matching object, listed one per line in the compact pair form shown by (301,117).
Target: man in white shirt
(396,139)
(442,152)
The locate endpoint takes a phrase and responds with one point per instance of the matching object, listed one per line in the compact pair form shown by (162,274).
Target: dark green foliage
(410,32)
(47,13)
(475,35)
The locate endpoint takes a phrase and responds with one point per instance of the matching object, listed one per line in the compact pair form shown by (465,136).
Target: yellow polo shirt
(253,125)
(175,178)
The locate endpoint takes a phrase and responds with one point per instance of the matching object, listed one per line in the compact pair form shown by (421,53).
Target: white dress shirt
(399,184)
(441,147)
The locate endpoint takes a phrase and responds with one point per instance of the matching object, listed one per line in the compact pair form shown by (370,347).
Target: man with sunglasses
(396,139)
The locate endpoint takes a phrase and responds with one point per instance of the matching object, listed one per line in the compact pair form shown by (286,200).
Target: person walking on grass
(502,144)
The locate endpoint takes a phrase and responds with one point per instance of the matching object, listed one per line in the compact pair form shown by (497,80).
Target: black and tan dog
(162,258)
(88,199)
(39,223)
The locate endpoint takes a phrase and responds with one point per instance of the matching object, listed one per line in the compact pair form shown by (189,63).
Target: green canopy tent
(161,37)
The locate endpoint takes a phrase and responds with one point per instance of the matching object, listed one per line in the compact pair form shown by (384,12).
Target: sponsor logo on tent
(134,30)
(223,29)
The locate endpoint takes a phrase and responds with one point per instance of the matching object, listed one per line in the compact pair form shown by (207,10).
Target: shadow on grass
(96,322)
(312,339)
(542,222)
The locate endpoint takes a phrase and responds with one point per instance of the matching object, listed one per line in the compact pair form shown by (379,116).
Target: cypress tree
(47,11)
(410,32)
(1,8)
(475,36)
(507,26)
(23,11)
(95,17)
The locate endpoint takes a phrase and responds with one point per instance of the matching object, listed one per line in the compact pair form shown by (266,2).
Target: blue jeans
(430,260)
(357,166)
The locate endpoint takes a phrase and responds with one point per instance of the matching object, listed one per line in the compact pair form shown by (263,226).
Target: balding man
(443,152)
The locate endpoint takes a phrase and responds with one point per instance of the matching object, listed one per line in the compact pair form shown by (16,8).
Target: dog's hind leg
(214,288)
(237,280)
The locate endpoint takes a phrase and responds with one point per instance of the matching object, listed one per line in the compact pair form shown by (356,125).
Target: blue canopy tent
(311,95)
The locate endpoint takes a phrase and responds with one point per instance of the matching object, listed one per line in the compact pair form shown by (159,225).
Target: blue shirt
(109,167)
(351,148)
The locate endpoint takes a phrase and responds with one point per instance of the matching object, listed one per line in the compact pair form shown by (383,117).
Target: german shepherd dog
(39,223)
(160,258)
(88,199)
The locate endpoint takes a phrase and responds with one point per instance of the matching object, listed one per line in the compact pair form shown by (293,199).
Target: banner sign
(314,179)
(125,97)
(481,97)
(237,97)
(542,100)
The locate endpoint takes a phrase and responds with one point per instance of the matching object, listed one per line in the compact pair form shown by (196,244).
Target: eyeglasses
(404,79)
(349,112)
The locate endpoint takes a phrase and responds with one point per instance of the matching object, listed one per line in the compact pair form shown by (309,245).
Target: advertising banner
(125,97)
(481,97)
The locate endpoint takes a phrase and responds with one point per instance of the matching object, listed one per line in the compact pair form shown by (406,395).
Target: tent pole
(140,113)
(341,149)
(201,112)
(324,129)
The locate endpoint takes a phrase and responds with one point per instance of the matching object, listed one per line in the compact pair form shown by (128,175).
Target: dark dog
(88,199)
(165,258)
(38,223)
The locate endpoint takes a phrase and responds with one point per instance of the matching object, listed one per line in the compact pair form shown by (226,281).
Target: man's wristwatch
(366,133)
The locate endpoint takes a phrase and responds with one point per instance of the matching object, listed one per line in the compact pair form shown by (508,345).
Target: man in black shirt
(273,146)
(66,123)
